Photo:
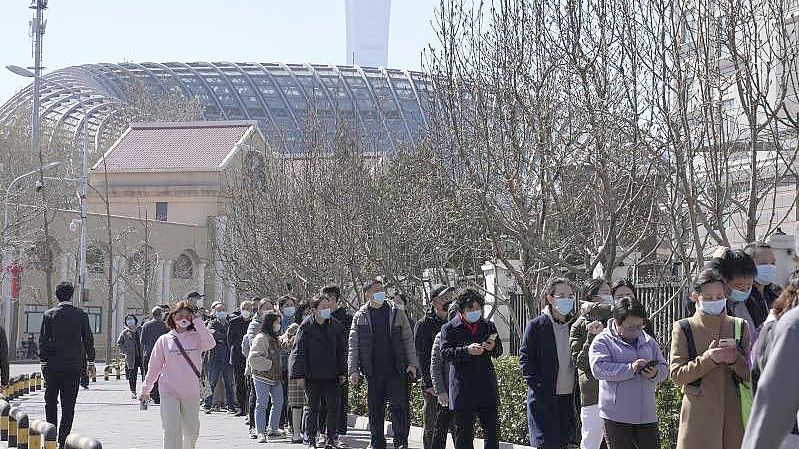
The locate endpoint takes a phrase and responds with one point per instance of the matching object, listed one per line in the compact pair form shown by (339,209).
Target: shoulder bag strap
(685,325)
(188,360)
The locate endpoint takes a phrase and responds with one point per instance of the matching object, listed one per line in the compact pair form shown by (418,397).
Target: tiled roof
(175,146)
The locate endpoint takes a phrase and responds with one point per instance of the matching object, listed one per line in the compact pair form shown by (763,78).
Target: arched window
(183,267)
(95,260)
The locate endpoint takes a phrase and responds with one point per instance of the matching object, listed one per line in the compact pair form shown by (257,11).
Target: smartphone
(650,364)
(491,338)
(726,343)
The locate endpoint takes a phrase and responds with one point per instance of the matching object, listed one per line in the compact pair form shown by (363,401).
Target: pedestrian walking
(344,317)
(424,334)
(296,392)
(708,362)
(439,375)
(175,361)
(381,347)
(151,330)
(777,396)
(319,362)
(629,365)
(219,359)
(266,367)
(468,343)
(65,334)
(595,311)
(237,328)
(546,364)
(129,343)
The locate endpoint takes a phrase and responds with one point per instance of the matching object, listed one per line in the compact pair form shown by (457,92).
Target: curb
(362,423)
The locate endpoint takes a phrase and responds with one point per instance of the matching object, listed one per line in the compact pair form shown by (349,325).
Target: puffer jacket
(360,359)
(264,359)
(439,369)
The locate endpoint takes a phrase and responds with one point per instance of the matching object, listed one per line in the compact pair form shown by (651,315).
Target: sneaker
(279,433)
(253,433)
(262,438)
(233,411)
(207,410)
(341,444)
(321,441)
(133,395)
(400,445)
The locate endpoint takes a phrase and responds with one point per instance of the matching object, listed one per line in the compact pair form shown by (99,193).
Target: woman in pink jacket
(177,359)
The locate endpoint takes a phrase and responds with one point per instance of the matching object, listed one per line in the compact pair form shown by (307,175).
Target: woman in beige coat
(710,417)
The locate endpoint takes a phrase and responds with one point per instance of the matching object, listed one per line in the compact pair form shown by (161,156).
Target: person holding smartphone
(629,365)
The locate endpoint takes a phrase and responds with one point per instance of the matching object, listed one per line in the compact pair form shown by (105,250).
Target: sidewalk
(106,411)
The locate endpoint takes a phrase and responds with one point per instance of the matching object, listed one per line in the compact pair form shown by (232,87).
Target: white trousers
(181,421)
(592,432)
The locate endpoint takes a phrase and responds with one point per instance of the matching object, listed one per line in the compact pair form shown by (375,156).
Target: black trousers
(154,393)
(430,417)
(393,389)
(445,422)
(63,385)
(318,392)
(628,436)
(242,387)
(488,421)
(343,411)
(131,373)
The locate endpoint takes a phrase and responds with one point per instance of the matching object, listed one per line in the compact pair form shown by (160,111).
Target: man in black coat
(237,328)
(424,335)
(343,316)
(469,342)
(319,363)
(64,339)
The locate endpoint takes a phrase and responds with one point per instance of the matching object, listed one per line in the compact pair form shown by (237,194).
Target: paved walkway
(106,411)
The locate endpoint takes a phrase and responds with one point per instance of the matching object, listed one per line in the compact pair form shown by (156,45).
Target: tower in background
(367,32)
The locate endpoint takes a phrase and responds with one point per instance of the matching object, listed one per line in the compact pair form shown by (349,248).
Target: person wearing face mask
(424,334)
(266,366)
(235,334)
(295,401)
(469,342)
(381,347)
(176,362)
(318,363)
(219,359)
(151,330)
(340,313)
(764,290)
(708,362)
(265,306)
(129,343)
(548,370)
(439,375)
(595,311)
(739,271)
(629,365)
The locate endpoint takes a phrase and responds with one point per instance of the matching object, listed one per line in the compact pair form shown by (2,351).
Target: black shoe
(400,445)
(207,410)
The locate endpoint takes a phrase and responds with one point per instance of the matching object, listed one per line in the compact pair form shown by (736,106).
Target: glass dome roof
(382,106)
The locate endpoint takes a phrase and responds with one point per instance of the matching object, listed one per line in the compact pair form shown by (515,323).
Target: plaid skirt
(296,394)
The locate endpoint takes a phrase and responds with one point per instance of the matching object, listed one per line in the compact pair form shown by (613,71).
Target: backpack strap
(685,325)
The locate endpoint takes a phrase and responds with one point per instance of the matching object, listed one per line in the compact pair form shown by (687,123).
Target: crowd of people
(591,362)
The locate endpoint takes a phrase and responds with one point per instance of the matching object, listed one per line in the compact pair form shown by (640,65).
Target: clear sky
(288,31)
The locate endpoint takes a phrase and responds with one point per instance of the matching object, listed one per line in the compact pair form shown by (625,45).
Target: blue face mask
(379,297)
(740,296)
(221,315)
(564,306)
(289,311)
(766,274)
(473,316)
(712,307)
(324,313)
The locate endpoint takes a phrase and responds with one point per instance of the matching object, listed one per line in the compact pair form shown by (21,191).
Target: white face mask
(276,327)
(246,314)
(184,323)
(131,323)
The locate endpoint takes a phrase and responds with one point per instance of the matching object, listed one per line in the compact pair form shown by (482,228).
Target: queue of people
(590,362)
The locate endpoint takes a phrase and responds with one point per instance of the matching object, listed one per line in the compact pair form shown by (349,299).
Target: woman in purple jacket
(628,364)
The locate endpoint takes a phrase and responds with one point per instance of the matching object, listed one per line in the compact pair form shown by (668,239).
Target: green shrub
(669,401)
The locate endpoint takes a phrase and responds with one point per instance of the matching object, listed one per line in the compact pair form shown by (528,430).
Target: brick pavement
(106,411)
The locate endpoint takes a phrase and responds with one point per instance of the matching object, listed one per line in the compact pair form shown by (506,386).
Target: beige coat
(710,417)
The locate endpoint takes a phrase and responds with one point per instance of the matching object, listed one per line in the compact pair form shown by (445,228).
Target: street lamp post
(84,177)
(8,253)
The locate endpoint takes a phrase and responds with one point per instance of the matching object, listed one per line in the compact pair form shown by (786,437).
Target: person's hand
(730,355)
(430,391)
(144,397)
(595,327)
(354,378)
(342,380)
(638,365)
(715,353)
(475,349)
(443,399)
(489,345)
(650,372)
(411,370)
(301,383)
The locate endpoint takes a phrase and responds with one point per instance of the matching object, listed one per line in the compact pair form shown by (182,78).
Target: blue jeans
(264,391)
(215,369)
